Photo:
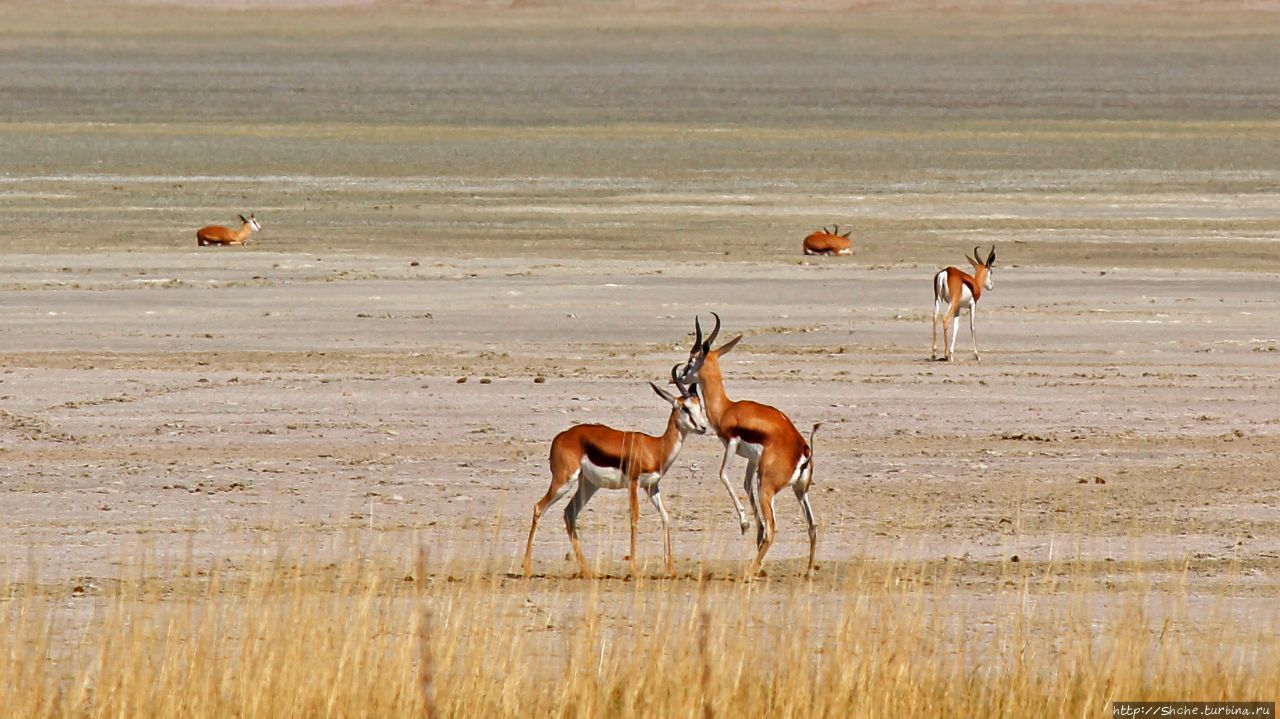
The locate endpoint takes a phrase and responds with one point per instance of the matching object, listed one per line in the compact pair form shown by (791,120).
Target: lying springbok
(828,242)
(777,454)
(596,456)
(218,235)
(959,290)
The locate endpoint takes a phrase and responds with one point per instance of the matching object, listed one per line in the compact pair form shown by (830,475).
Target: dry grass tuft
(375,639)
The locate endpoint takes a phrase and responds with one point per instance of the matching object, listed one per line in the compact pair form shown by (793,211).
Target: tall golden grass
(374,637)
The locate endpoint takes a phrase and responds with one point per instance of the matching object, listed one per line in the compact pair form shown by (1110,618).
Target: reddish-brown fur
(635,453)
(957,280)
(751,421)
(218,235)
(823,242)
(784,448)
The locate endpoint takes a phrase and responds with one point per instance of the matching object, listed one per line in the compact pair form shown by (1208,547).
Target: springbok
(959,290)
(218,235)
(596,456)
(828,242)
(777,454)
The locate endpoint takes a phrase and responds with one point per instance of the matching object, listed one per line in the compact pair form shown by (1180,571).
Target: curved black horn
(686,390)
(976,254)
(835,229)
(991,258)
(697,333)
(712,337)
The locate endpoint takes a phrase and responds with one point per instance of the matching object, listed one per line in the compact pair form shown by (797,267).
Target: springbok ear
(724,348)
(663,393)
(973,262)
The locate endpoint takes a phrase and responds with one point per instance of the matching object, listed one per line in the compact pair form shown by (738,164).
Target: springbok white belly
(611,477)
(749,450)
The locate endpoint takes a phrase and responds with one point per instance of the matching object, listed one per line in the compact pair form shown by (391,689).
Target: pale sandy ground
(571,199)
(269,391)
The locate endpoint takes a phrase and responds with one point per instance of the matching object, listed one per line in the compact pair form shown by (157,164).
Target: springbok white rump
(959,290)
(218,235)
(777,454)
(596,456)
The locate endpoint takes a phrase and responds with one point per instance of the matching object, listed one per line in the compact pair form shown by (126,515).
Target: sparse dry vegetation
(367,638)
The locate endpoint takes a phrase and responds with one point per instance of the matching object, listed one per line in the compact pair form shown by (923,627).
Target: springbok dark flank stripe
(595,456)
(777,454)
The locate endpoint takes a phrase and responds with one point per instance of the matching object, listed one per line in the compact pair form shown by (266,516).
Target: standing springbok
(959,290)
(828,242)
(596,456)
(218,235)
(777,454)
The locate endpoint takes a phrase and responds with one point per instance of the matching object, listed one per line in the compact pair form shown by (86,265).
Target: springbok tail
(808,457)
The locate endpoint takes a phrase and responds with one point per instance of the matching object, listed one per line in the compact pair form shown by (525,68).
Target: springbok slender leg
(973,313)
(749,483)
(766,509)
(730,449)
(655,497)
(585,490)
(937,312)
(953,318)
(559,487)
(802,494)
(633,490)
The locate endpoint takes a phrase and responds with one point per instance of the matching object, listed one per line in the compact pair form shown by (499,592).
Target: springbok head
(982,270)
(701,351)
(691,416)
